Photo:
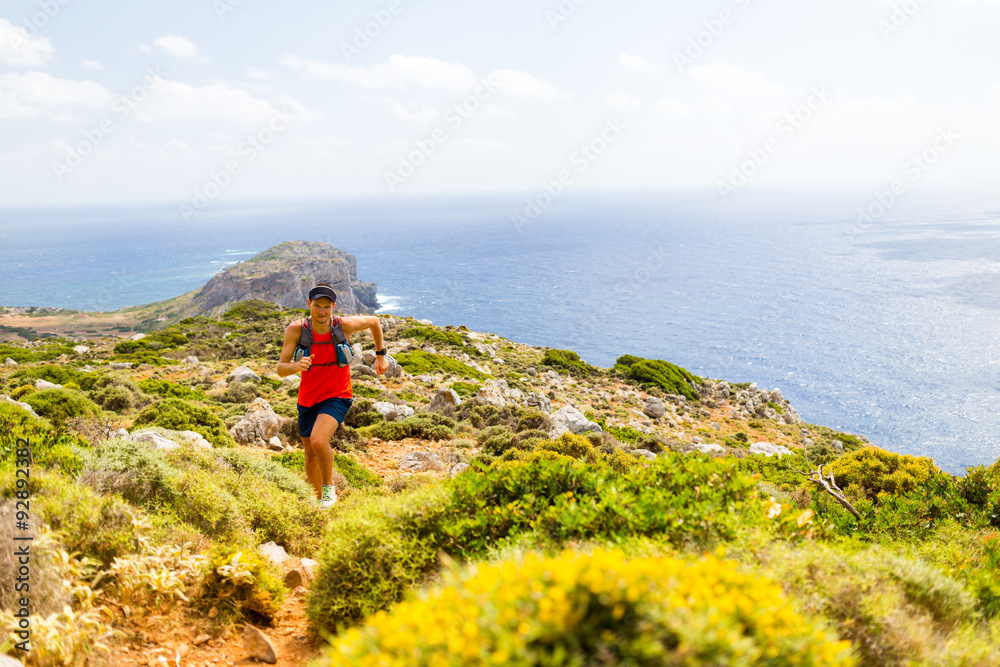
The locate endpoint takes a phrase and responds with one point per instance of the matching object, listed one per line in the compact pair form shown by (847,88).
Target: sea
(871,316)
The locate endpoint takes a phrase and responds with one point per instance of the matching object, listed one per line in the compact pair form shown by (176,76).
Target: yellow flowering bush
(602,608)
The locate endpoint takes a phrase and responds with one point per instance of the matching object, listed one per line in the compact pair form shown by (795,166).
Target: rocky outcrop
(284,275)
(258,426)
(568,418)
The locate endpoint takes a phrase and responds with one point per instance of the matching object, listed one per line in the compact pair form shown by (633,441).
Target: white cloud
(177,46)
(398,70)
(621,100)
(92,64)
(141,48)
(731,81)
(40,95)
(413,112)
(17,48)
(173,100)
(521,84)
(257,73)
(636,64)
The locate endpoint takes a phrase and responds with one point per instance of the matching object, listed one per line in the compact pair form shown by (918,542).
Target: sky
(199,101)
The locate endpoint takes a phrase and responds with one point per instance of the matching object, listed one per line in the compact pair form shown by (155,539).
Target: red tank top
(324,379)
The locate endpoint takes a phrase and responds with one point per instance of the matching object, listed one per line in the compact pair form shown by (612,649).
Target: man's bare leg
(319,453)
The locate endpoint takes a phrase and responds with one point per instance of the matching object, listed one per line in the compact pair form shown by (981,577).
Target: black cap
(322,290)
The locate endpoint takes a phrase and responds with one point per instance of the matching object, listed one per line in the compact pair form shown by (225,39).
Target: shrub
(61,405)
(568,361)
(50,448)
(518,418)
(421,363)
(169,389)
(872,471)
(496,439)
(465,389)
(254,310)
(669,377)
(362,413)
(179,415)
(598,608)
(22,391)
(118,393)
(432,335)
(242,586)
(426,425)
(50,373)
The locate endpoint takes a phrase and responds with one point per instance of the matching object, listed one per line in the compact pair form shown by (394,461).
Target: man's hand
(305,363)
(381,364)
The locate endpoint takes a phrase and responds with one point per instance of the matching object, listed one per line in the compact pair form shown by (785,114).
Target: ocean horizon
(871,321)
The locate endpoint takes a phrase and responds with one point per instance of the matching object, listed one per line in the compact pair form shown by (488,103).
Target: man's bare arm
(373,324)
(286,366)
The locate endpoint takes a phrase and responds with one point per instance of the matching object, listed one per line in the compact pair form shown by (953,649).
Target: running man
(325,393)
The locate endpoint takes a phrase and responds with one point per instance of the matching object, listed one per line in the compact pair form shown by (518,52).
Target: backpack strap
(306,333)
(337,331)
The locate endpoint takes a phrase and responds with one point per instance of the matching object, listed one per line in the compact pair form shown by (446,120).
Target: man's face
(321,309)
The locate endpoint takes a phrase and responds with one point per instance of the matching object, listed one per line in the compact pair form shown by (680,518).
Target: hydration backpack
(344,353)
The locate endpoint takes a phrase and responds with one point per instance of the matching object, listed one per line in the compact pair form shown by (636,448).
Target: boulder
(191,360)
(457,468)
(45,384)
(494,392)
(243,374)
(644,454)
(310,566)
(394,370)
(361,369)
(196,439)
(540,401)
(8,399)
(654,408)
(258,645)
(552,376)
(768,449)
(121,365)
(445,397)
(392,412)
(367,358)
(138,336)
(81,349)
(707,448)
(275,444)
(9,362)
(258,425)
(568,418)
(273,552)
(420,462)
(155,439)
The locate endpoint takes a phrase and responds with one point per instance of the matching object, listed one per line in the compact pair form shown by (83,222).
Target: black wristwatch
(381,352)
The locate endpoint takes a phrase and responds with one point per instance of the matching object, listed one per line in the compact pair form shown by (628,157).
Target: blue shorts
(335,407)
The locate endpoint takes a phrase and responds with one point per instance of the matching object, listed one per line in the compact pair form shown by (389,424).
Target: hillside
(282,274)
(629,515)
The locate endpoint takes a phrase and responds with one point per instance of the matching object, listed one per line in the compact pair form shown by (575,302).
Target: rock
(392,412)
(552,376)
(121,433)
(213,612)
(568,418)
(494,392)
(644,454)
(539,401)
(394,370)
(258,645)
(427,322)
(532,371)
(420,462)
(707,448)
(361,369)
(201,639)
(191,360)
(294,579)
(8,399)
(274,552)
(243,374)
(291,381)
(9,362)
(138,336)
(837,444)
(218,388)
(153,438)
(258,425)
(196,439)
(457,468)
(121,365)
(445,397)
(275,444)
(309,566)
(425,378)
(367,358)
(81,349)
(768,449)
(654,408)
(45,384)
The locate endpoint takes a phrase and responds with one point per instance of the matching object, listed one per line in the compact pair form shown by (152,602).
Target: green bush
(22,391)
(595,609)
(426,425)
(424,363)
(432,335)
(362,413)
(871,471)
(47,352)
(374,551)
(465,389)
(166,339)
(242,586)
(61,405)
(669,377)
(179,415)
(169,389)
(518,418)
(50,448)
(254,310)
(118,393)
(569,361)
(51,373)
(132,346)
